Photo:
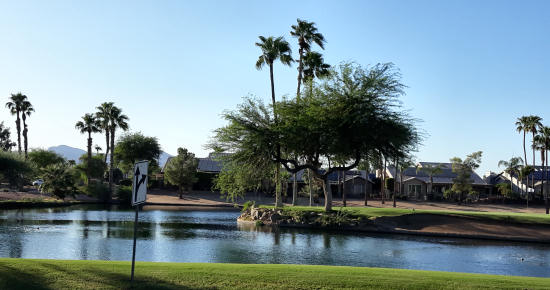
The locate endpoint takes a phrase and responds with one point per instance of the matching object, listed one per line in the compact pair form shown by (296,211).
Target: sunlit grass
(369,212)
(59,274)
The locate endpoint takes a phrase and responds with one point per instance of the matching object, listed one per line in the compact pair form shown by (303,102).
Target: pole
(134,248)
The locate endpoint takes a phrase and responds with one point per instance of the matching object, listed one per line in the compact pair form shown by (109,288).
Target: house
(354,182)
(416,182)
(538,176)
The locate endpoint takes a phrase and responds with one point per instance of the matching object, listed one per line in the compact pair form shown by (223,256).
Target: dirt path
(213,199)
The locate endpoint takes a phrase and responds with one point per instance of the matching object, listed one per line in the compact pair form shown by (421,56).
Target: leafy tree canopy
(181,170)
(133,147)
(5,141)
(14,169)
(95,168)
(41,158)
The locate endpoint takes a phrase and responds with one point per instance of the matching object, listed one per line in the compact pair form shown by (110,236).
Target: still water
(193,235)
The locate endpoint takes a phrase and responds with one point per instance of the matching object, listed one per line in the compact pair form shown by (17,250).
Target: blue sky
(471,67)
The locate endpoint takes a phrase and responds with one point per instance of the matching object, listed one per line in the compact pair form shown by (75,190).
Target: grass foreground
(374,212)
(62,274)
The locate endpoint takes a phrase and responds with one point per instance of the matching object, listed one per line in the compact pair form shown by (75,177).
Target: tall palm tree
(543,144)
(274,49)
(116,120)
(103,113)
(26,110)
(89,124)
(430,170)
(307,34)
(511,167)
(535,122)
(14,105)
(522,125)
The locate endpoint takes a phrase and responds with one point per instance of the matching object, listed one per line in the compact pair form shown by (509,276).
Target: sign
(139,188)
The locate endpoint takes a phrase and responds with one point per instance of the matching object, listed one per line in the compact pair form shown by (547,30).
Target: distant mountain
(71,153)
(163,158)
(68,152)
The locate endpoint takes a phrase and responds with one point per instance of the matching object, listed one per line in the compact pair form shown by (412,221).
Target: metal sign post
(139,195)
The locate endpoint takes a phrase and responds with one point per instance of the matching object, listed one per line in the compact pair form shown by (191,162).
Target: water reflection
(190,235)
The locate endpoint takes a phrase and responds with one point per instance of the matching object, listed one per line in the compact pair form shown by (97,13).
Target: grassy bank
(59,274)
(373,212)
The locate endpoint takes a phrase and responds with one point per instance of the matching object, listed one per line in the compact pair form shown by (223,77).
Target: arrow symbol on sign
(137,182)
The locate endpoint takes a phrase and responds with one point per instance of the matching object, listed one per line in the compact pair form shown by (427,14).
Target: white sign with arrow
(139,195)
(139,189)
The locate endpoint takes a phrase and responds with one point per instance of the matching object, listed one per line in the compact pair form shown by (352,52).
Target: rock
(254,213)
(275,217)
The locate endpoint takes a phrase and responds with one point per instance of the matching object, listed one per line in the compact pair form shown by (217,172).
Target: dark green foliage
(462,183)
(248,205)
(41,158)
(58,180)
(13,169)
(205,181)
(505,190)
(97,189)
(96,168)
(390,184)
(5,142)
(117,175)
(181,170)
(124,194)
(134,147)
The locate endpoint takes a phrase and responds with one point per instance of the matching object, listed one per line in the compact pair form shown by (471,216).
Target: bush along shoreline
(426,224)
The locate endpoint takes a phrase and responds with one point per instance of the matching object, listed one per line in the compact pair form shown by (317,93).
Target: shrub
(124,194)
(13,169)
(97,189)
(58,180)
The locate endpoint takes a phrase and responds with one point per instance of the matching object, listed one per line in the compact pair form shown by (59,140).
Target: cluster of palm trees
(540,141)
(107,119)
(311,65)
(20,107)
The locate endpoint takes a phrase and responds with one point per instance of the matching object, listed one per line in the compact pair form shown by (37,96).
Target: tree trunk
(328,195)
(278,201)
(300,71)
(294,190)
(180,192)
(383,185)
(310,187)
(395,182)
(111,164)
(107,144)
(25,136)
(533,174)
(89,154)
(344,188)
(546,177)
(18,127)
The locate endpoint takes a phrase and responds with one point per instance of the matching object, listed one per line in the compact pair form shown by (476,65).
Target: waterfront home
(415,181)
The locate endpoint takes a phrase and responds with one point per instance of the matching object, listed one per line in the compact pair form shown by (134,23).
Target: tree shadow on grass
(13,278)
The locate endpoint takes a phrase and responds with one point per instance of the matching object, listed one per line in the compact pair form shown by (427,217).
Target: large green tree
(273,49)
(5,141)
(462,183)
(41,158)
(117,120)
(354,111)
(181,170)
(134,147)
(307,34)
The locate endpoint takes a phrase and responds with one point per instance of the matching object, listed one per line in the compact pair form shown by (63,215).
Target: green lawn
(59,274)
(379,212)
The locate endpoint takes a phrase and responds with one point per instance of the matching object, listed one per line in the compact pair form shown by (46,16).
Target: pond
(213,236)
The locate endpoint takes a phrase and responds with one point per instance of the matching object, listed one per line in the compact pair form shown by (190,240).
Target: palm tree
(97,148)
(524,172)
(543,143)
(535,122)
(26,110)
(103,113)
(15,109)
(430,170)
(511,167)
(274,49)
(89,124)
(522,124)
(116,120)
(306,32)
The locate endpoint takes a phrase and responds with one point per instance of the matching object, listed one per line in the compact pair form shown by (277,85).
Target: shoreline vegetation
(457,224)
(78,274)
